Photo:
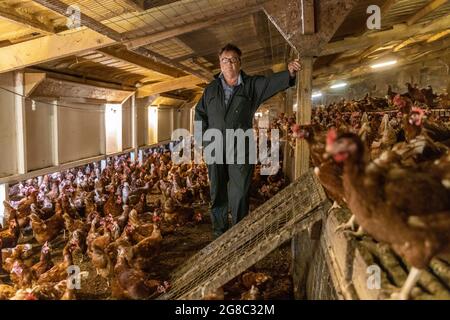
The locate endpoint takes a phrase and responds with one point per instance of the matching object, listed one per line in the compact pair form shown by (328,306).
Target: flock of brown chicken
(106,216)
(388,161)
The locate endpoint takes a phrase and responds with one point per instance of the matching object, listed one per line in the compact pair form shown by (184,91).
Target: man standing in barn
(230,102)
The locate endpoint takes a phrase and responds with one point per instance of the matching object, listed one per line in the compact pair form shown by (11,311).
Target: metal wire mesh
(252,239)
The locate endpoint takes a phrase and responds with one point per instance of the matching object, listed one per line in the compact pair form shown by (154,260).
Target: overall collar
(241,77)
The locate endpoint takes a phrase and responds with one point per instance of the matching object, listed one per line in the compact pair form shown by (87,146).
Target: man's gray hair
(231,47)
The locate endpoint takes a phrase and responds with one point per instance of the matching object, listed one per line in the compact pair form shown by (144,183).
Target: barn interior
(91,92)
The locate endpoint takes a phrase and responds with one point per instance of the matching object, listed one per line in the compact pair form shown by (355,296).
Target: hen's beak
(329,149)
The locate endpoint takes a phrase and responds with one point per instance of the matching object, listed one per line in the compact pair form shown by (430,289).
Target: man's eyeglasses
(233,60)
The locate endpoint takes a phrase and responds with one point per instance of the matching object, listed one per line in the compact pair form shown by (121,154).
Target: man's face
(230,64)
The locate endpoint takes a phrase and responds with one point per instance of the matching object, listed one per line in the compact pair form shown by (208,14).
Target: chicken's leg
(413,277)
(349,225)
(358,233)
(334,206)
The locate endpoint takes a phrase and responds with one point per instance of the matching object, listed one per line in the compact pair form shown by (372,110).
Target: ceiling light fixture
(383,64)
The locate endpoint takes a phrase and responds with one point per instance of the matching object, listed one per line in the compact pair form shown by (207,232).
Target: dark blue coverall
(230,183)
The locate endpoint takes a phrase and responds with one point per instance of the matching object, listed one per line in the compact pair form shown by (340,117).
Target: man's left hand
(293,67)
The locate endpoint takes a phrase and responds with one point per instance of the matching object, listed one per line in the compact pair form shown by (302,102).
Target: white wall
(80,131)
(182,118)
(8,147)
(152,125)
(185,118)
(165,120)
(39,135)
(113,128)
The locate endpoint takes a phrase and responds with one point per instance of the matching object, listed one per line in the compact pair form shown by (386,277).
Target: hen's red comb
(399,101)
(295,127)
(418,110)
(30,296)
(331,136)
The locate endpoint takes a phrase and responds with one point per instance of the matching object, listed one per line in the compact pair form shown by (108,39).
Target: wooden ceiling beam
(55,88)
(430,7)
(170,85)
(159,58)
(438,35)
(122,54)
(61,8)
(113,75)
(136,5)
(32,80)
(149,4)
(40,50)
(200,66)
(181,97)
(84,80)
(11,14)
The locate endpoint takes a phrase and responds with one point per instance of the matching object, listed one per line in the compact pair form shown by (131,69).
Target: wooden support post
(55,133)
(4,193)
(134,126)
(21,124)
(287,159)
(308,26)
(289,107)
(304,104)
(191,119)
(172,121)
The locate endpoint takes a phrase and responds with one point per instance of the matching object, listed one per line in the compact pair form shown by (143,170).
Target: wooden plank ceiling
(170,47)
